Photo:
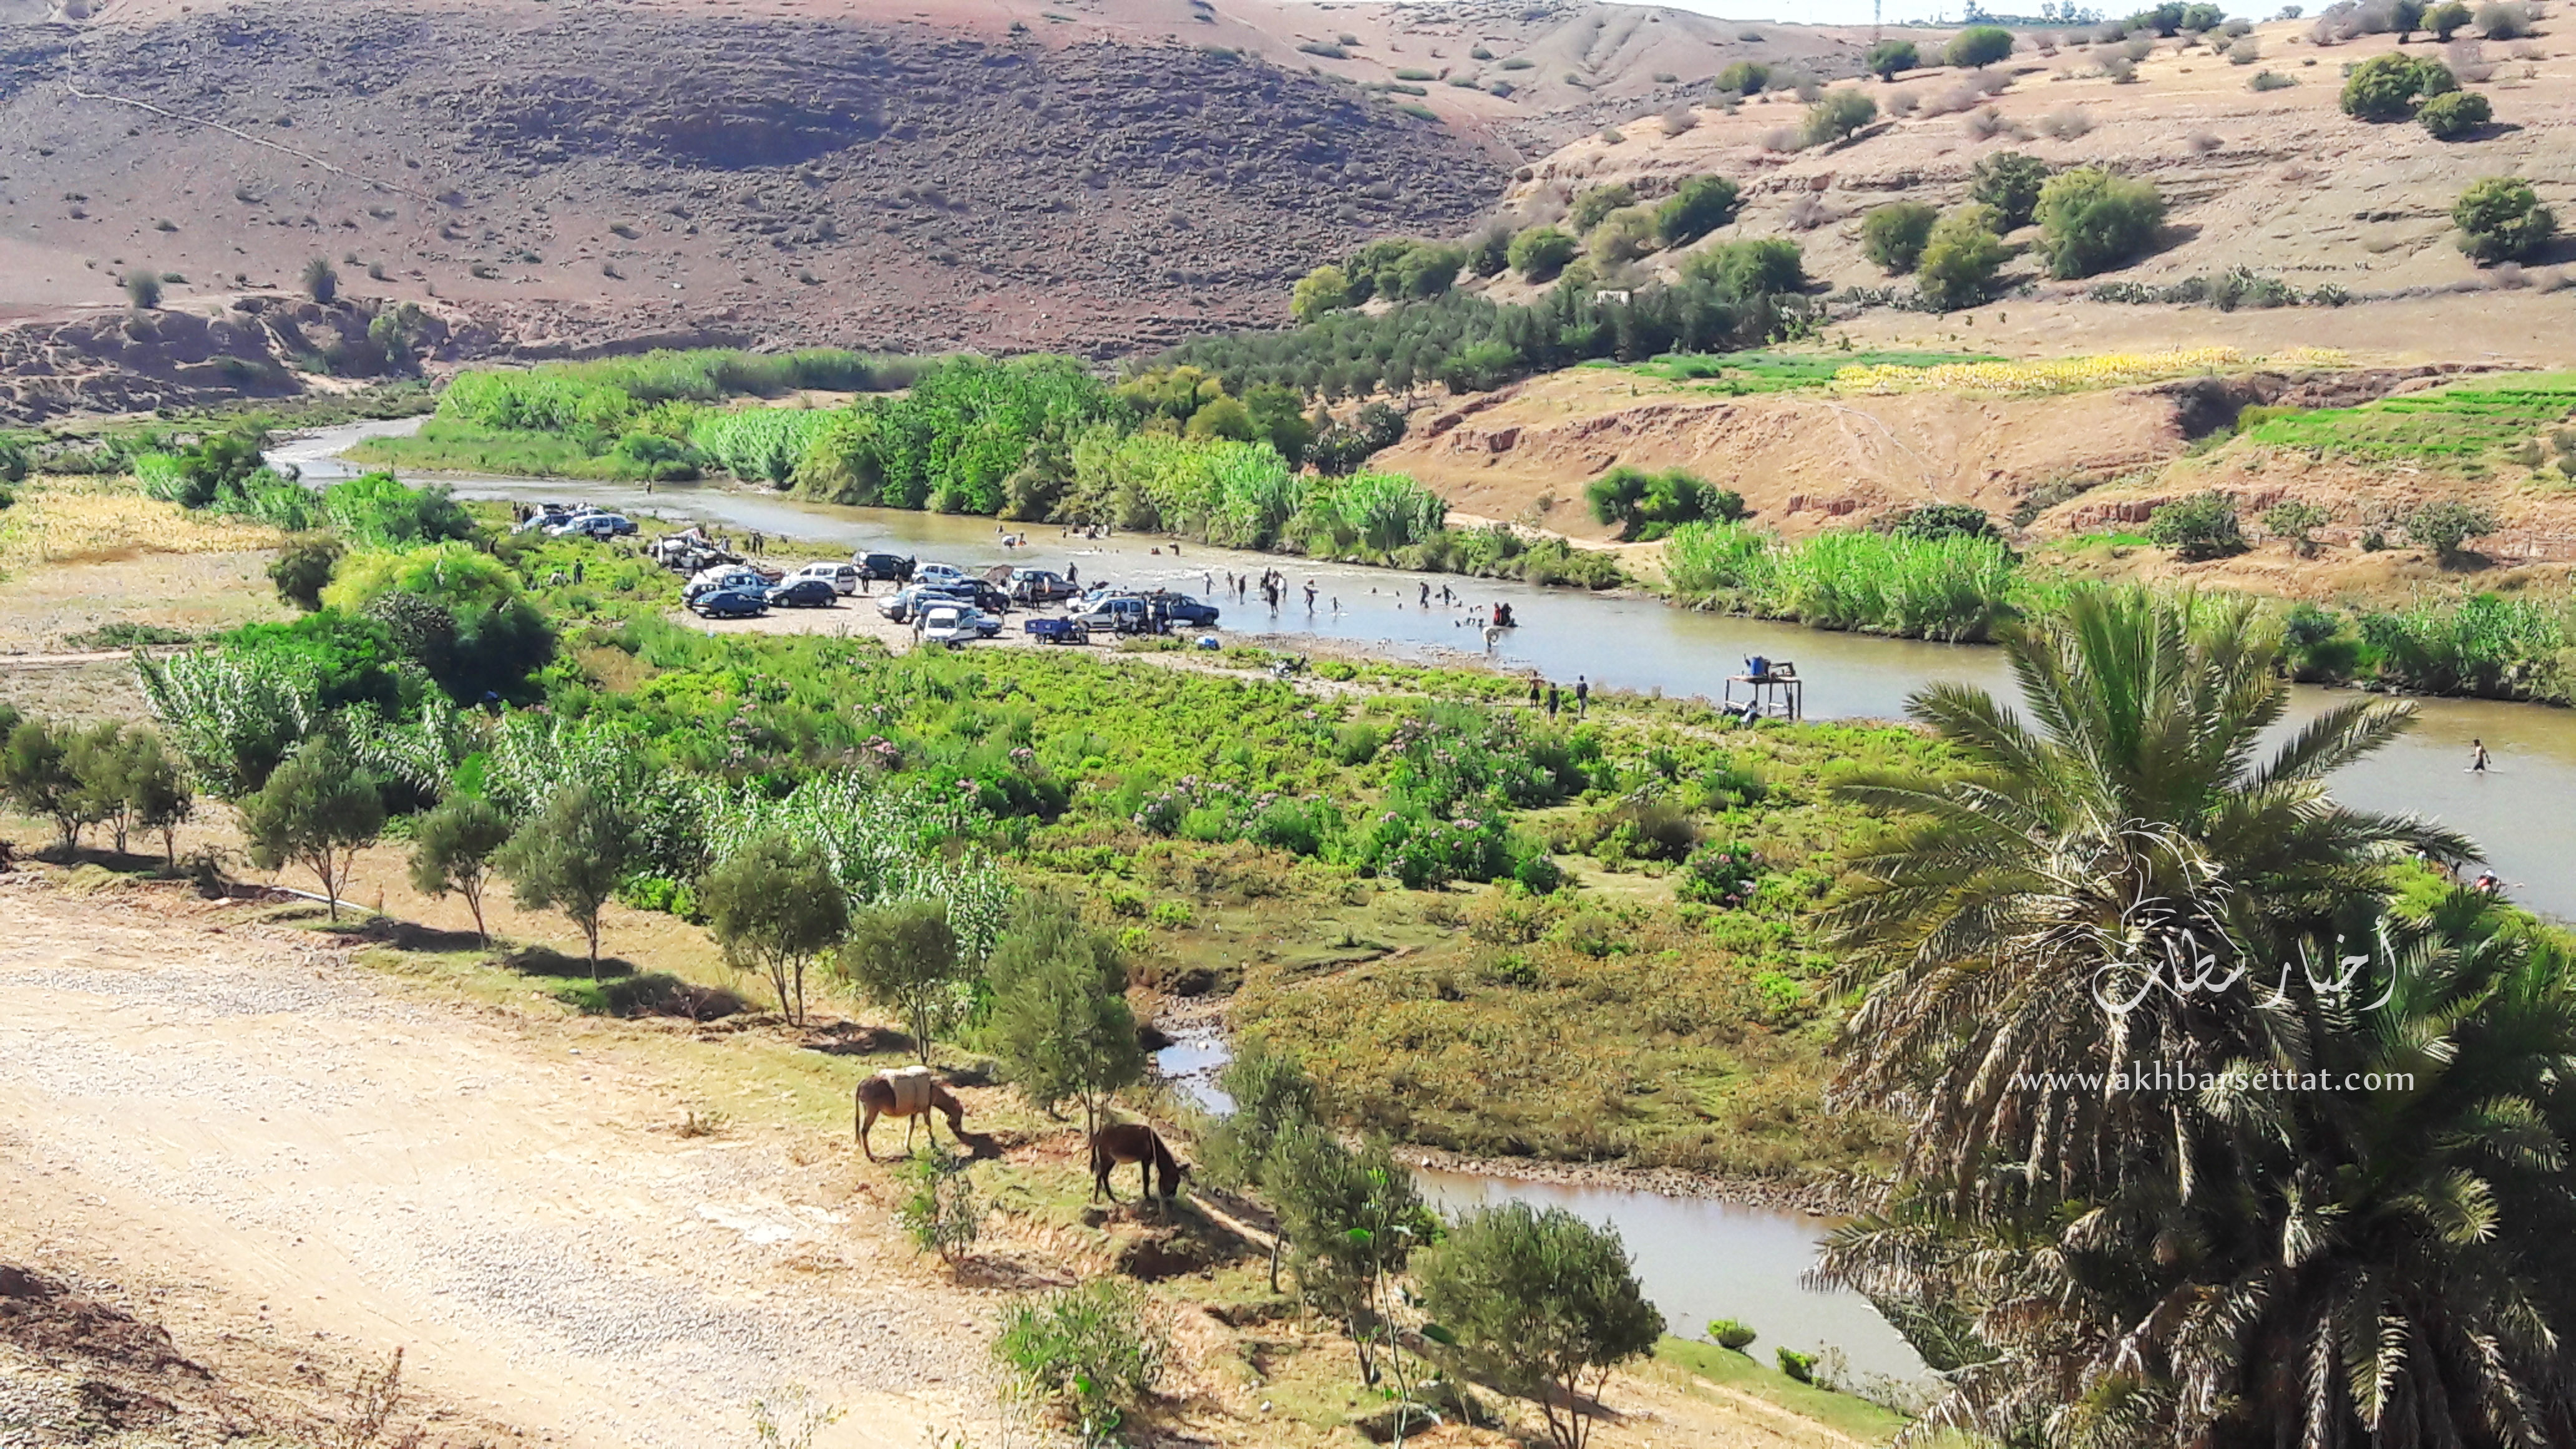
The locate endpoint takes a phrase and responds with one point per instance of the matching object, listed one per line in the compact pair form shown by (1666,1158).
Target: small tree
(1549,1300)
(1351,1220)
(2454,114)
(1978,45)
(1960,259)
(318,810)
(2090,219)
(2009,182)
(321,283)
(2501,220)
(302,569)
(1325,289)
(1096,1349)
(37,776)
(1538,253)
(1743,270)
(2446,525)
(1700,205)
(939,1211)
(1837,115)
(1061,1026)
(453,848)
(1893,235)
(1888,57)
(2444,20)
(143,288)
(775,906)
(2386,87)
(158,796)
(99,759)
(1599,202)
(1623,236)
(570,858)
(2290,523)
(903,957)
(2197,528)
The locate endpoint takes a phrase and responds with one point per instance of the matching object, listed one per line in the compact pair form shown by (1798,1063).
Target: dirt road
(292,1151)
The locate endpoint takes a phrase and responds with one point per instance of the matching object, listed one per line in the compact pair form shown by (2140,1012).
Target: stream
(1699,1258)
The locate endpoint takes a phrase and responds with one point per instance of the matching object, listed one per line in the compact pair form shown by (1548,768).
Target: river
(1699,1259)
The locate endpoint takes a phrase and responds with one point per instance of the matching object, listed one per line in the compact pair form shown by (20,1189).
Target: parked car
(844,578)
(901,605)
(883,567)
(1039,586)
(547,516)
(1181,608)
(594,525)
(1124,615)
(938,573)
(1057,631)
(723,576)
(803,593)
(957,624)
(729,604)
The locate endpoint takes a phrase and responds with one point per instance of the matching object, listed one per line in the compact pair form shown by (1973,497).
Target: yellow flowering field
(2074,374)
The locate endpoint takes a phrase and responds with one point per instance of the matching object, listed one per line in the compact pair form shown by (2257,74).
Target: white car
(958,624)
(722,576)
(843,577)
(937,573)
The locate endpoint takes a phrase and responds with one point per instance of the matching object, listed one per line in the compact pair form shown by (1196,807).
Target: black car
(1181,609)
(982,595)
(806,593)
(729,604)
(881,567)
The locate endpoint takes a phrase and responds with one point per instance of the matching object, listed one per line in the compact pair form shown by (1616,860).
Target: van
(843,577)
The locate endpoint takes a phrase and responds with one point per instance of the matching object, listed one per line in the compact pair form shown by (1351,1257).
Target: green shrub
(303,568)
(143,288)
(2501,220)
(1700,205)
(2197,528)
(1647,506)
(1538,253)
(321,282)
(2454,114)
(2446,525)
(1960,258)
(1325,289)
(938,1209)
(1729,1333)
(2091,220)
(1722,876)
(1745,78)
(1096,1350)
(1893,235)
(2503,20)
(1597,203)
(1889,57)
(1836,116)
(2291,521)
(2269,80)
(1978,45)
(1799,1366)
(1622,236)
(2009,182)
(2386,87)
(1742,270)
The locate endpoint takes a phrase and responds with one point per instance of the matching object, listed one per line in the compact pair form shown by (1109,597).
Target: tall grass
(1949,588)
(758,444)
(2481,644)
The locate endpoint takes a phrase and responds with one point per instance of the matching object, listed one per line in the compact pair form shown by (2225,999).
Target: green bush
(2091,220)
(1700,205)
(1745,78)
(1893,235)
(2446,19)
(1597,203)
(1648,506)
(1538,253)
(1325,289)
(2386,87)
(143,288)
(1799,1366)
(1978,45)
(2454,114)
(1960,259)
(2197,528)
(2446,525)
(1622,236)
(1742,270)
(2291,521)
(1096,1350)
(1729,1333)
(2503,20)
(1889,57)
(2501,220)
(2009,182)
(303,568)
(1837,115)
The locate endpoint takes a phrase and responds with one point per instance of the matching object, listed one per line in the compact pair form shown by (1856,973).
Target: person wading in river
(2477,757)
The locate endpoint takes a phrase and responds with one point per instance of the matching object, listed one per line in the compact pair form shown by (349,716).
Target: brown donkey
(1121,1143)
(913,1095)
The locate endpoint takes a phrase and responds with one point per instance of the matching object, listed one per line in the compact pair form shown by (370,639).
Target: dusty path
(299,1152)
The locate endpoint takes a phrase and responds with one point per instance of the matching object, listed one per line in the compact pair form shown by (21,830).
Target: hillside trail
(298,1154)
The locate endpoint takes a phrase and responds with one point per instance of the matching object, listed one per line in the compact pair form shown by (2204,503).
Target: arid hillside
(1098,176)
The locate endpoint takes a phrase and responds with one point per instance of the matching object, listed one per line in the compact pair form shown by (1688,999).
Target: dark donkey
(1121,1143)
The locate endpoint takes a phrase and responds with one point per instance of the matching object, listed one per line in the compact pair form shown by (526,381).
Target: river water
(1699,1259)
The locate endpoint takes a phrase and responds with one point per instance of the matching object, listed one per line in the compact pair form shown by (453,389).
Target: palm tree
(2049,907)
(2375,1269)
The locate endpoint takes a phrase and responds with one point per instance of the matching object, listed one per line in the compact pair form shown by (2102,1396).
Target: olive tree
(318,810)
(1548,1300)
(904,958)
(36,775)
(2091,219)
(570,858)
(775,906)
(2501,220)
(452,850)
(1061,1027)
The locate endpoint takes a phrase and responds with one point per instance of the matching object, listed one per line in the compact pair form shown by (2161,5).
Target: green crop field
(1757,372)
(2454,425)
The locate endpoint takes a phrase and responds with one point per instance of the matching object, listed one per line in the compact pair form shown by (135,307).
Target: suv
(844,578)
(1182,609)
(594,525)
(883,567)
(1122,615)
(1040,586)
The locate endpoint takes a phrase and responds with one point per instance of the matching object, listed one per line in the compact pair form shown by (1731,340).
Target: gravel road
(321,1158)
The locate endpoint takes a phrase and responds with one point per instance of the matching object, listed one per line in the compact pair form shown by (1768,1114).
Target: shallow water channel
(1700,1259)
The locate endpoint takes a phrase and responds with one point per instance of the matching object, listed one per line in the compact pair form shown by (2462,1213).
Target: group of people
(1547,695)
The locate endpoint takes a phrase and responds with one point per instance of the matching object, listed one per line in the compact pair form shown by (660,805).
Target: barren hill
(1093,175)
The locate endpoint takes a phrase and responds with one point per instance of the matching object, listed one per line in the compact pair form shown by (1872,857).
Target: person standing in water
(2477,757)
